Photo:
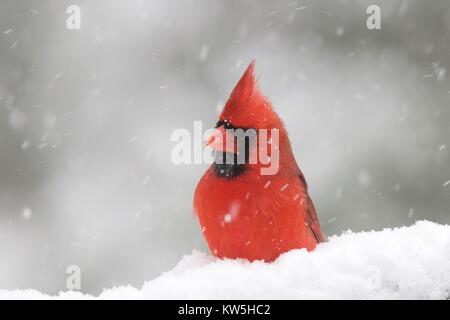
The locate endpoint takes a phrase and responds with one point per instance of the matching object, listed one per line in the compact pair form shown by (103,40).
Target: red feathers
(247,105)
(244,214)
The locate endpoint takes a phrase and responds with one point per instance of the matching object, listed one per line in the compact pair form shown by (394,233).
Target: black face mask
(226,165)
(229,164)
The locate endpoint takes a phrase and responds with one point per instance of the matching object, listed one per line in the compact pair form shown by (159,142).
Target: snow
(27,213)
(403,263)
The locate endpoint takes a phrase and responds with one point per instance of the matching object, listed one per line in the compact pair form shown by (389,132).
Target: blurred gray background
(86,117)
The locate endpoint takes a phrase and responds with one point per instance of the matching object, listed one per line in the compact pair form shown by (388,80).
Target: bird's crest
(247,107)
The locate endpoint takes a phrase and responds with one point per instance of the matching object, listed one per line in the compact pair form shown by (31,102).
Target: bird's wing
(311,215)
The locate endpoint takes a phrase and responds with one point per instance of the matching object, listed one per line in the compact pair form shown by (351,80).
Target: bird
(244,214)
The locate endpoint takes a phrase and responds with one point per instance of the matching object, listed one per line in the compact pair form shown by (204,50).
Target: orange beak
(222,140)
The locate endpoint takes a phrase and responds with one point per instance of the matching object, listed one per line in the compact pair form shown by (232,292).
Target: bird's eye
(227,124)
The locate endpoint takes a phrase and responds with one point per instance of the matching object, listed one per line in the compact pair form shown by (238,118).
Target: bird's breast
(252,217)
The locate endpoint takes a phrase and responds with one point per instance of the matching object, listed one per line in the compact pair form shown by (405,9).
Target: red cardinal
(246,214)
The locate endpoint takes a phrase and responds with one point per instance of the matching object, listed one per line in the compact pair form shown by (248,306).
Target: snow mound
(403,263)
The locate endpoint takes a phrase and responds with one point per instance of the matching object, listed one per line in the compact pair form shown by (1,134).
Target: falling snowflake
(27,213)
